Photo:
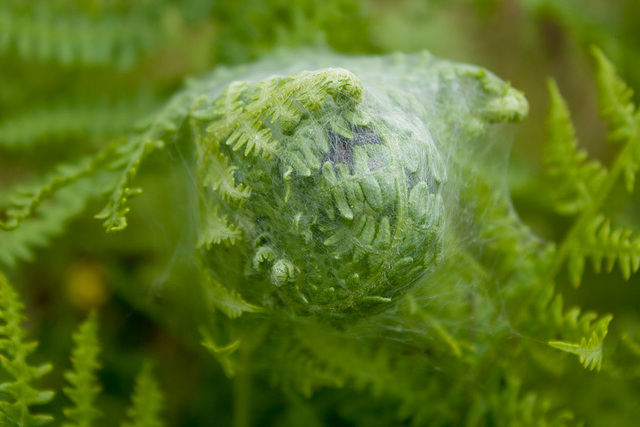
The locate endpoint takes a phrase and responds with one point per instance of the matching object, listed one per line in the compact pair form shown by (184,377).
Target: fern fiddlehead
(332,188)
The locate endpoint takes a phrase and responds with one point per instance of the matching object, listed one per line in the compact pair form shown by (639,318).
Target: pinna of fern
(18,395)
(146,401)
(591,235)
(583,189)
(83,385)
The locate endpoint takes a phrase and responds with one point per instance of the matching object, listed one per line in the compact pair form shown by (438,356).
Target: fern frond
(14,351)
(121,158)
(131,154)
(615,100)
(513,407)
(218,175)
(84,384)
(575,179)
(129,157)
(298,368)
(146,402)
(590,349)
(46,32)
(28,200)
(552,320)
(602,242)
(50,220)
(616,106)
(97,120)
(245,113)
(226,300)
(216,230)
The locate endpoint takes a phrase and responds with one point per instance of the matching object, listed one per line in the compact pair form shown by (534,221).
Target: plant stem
(242,391)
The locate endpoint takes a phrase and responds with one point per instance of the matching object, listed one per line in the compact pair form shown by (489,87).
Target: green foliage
(575,180)
(18,394)
(616,106)
(515,408)
(18,244)
(586,187)
(84,384)
(146,401)
(96,121)
(600,242)
(48,31)
(589,350)
(339,229)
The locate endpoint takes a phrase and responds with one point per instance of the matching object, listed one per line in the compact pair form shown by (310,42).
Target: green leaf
(84,386)
(146,401)
(589,350)
(575,180)
(226,300)
(616,106)
(14,351)
(601,242)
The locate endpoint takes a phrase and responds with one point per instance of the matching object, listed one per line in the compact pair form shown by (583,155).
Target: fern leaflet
(97,120)
(616,106)
(600,241)
(575,180)
(14,351)
(84,386)
(147,401)
(44,32)
(52,216)
(590,349)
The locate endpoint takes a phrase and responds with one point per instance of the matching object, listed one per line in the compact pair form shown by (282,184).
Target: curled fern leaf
(14,351)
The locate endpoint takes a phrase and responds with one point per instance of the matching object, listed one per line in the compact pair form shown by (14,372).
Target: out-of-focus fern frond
(616,106)
(14,351)
(513,407)
(84,384)
(575,179)
(615,101)
(146,401)
(44,32)
(96,120)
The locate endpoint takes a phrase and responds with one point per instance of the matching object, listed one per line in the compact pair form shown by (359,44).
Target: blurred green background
(75,74)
